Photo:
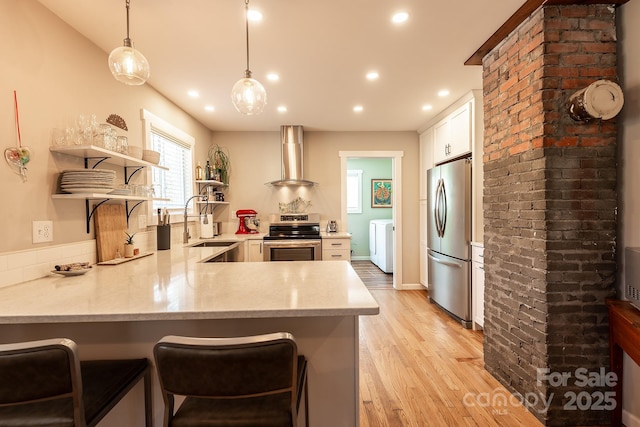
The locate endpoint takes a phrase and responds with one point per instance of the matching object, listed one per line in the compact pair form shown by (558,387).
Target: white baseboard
(629,419)
(360,258)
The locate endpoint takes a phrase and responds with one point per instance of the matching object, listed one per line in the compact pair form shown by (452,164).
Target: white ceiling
(321,49)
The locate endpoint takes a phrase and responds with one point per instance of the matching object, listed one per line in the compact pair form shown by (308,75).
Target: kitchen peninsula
(121,311)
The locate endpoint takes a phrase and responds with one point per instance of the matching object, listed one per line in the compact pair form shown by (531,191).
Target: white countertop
(172,284)
(335,235)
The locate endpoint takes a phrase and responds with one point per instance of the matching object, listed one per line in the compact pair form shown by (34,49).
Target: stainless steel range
(293,237)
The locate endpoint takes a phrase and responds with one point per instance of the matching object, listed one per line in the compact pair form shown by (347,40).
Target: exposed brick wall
(549,207)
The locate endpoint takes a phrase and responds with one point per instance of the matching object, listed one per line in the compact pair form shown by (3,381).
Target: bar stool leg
(148,409)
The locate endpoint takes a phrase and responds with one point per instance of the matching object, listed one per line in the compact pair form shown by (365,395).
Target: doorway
(396,200)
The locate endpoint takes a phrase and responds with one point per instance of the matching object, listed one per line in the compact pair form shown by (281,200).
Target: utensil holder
(164,237)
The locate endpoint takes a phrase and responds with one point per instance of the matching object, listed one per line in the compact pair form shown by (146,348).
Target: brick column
(549,211)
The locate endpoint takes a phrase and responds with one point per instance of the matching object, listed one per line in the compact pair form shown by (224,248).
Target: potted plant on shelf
(128,245)
(219,160)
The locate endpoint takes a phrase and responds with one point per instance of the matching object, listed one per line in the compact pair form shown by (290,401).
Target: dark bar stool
(42,383)
(244,381)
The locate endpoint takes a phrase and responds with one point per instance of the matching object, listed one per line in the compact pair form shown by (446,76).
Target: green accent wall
(372,168)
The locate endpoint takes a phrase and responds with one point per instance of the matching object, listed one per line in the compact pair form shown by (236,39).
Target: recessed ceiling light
(400,17)
(443,92)
(372,75)
(282,109)
(254,15)
(358,108)
(209,108)
(193,93)
(427,107)
(274,77)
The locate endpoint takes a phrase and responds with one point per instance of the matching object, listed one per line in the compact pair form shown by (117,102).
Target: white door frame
(396,201)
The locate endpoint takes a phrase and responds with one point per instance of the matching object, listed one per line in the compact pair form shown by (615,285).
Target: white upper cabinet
(441,140)
(453,134)
(461,130)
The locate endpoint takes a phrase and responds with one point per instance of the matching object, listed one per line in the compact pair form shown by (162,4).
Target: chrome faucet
(185,233)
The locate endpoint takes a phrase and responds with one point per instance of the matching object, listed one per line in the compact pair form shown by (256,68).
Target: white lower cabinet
(424,246)
(254,251)
(477,284)
(336,249)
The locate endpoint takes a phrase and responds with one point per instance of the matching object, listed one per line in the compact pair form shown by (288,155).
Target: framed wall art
(381,193)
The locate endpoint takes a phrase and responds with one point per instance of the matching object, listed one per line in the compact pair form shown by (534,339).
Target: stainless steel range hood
(291,144)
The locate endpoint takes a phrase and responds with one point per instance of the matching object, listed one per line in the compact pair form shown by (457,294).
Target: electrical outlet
(42,231)
(142,222)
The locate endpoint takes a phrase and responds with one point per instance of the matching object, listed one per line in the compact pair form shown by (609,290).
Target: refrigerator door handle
(443,201)
(447,263)
(436,211)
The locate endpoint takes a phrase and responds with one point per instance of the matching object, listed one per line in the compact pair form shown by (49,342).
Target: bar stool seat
(256,381)
(42,383)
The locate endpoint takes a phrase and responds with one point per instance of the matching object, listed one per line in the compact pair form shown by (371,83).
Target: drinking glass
(122,144)
(58,137)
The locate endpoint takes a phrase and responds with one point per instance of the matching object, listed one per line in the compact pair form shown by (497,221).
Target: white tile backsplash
(22,266)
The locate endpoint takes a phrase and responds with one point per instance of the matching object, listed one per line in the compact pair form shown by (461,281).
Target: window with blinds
(175,184)
(176,153)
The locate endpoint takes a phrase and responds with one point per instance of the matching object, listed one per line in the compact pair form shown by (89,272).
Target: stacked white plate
(87,181)
(121,192)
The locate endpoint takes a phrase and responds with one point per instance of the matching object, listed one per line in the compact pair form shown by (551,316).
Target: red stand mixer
(246,218)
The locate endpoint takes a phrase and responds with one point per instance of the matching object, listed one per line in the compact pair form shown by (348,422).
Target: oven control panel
(288,218)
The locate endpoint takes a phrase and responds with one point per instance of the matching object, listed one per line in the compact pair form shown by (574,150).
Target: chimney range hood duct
(291,143)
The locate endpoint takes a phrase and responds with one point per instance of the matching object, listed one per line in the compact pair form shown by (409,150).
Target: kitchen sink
(212,244)
(231,251)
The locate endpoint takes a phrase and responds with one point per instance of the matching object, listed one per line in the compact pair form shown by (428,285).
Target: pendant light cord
(128,5)
(246,22)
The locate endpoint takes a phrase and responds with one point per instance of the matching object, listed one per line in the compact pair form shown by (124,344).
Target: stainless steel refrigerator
(449,238)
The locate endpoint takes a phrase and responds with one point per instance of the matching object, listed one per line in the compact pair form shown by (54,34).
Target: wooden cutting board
(110,223)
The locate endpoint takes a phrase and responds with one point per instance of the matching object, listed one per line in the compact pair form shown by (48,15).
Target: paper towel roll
(206,230)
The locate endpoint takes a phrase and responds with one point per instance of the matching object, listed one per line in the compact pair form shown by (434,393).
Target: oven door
(292,250)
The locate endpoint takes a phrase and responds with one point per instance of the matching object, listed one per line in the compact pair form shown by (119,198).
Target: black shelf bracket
(97,159)
(130,211)
(127,175)
(90,212)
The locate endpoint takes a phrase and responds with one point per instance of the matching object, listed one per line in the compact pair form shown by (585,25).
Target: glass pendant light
(128,65)
(248,95)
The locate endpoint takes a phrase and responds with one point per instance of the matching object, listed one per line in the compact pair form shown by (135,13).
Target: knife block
(163,237)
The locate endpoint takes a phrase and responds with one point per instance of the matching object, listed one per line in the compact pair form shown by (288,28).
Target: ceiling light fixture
(427,107)
(373,75)
(358,108)
(400,17)
(274,77)
(443,93)
(248,95)
(282,109)
(209,108)
(128,65)
(193,93)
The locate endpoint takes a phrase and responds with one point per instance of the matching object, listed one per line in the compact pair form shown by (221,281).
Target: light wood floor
(418,367)
(372,276)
